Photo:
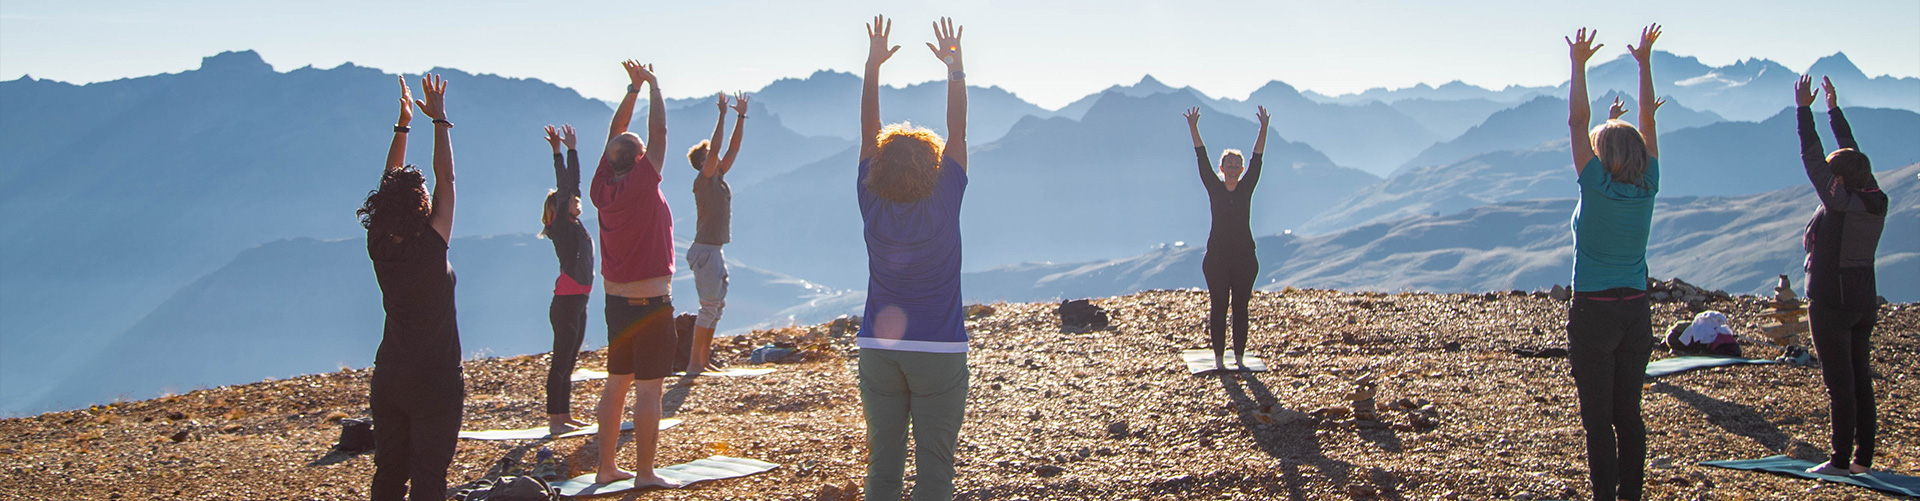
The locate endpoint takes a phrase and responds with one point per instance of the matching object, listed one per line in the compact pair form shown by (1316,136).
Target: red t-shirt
(636,227)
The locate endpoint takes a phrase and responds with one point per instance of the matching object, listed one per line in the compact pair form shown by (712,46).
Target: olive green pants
(927,391)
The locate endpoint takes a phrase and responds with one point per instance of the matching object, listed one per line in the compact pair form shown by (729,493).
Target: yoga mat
(1676,365)
(1199,361)
(1880,481)
(713,468)
(589,374)
(541,432)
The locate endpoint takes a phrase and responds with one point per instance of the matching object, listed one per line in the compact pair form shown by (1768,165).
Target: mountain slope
(827,103)
(1544,119)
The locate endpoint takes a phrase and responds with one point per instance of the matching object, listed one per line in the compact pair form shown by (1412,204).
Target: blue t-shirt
(1610,227)
(913,267)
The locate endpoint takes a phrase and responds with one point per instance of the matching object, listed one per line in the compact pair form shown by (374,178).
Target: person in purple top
(913,342)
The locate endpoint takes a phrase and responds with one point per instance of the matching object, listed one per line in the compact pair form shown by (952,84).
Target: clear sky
(1047,51)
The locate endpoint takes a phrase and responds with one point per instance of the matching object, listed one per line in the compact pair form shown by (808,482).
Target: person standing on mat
(913,344)
(714,201)
(1609,324)
(636,256)
(560,219)
(1230,265)
(1840,242)
(417,389)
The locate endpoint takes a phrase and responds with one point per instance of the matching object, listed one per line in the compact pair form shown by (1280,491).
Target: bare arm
(397,152)
(435,107)
(623,115)
(947,35)
(713,145)
(877,54)
(1260,143)
(739,122)
(1649,101)
(656,123)
(1580,48)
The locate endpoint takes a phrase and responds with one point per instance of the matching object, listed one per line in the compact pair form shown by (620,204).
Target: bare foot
(1857,469)
(656,481)
(1239,362)
(616,475)
(561,428)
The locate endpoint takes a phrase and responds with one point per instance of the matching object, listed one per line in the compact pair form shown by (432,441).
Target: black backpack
(356,436)
(510,488)
(1080,315)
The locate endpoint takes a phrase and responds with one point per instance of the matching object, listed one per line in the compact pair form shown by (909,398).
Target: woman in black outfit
(417,388)
(574,247)
(1230,265)
(1840,242)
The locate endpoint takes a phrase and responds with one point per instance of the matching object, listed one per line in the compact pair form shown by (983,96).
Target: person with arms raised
(1609,323)
(636,256)
(417,389)
(560,221)
(913,342)
(1230,265)
(713,198)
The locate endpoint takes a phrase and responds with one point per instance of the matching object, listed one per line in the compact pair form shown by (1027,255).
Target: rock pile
(1786,316)
(1679,291)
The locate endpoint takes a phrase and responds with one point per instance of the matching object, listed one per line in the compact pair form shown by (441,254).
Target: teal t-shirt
(1610,227)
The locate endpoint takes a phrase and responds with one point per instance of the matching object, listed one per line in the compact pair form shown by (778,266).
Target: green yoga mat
(589,374)
(713,468)
(541,432)
(1199,361)
(1677,365)
(1879,481)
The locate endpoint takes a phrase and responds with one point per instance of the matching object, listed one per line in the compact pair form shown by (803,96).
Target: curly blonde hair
(1622,150)
(907,165)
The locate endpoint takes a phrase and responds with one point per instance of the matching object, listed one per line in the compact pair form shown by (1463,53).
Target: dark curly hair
(399,208)
(1852,165)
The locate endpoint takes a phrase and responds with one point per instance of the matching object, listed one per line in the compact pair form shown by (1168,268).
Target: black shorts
(640,338)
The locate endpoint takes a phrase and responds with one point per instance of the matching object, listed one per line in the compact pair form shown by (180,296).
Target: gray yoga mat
(589,374)
(1199,361)
(713,468)
(1879,481)
(541,432)
(1677,365)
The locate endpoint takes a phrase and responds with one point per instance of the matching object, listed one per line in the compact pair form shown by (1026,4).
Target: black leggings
(569,316)
(1608,342)
(416,420)
(1843,340)
(1230,275)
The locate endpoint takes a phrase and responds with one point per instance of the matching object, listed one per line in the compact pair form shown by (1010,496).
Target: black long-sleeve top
(571,242)
(1844,232)
(1232,209)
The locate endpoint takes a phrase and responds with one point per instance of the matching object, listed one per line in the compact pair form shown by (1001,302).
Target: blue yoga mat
(1677,365)
(1879,481)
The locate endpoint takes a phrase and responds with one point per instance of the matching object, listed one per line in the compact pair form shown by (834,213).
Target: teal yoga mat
(712,468)
(541,432)
(1879,481)
(1677,365)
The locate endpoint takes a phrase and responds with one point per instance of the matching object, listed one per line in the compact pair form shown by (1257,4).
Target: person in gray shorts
(714,201)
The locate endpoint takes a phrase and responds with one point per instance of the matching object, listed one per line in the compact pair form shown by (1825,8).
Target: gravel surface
(1109,414)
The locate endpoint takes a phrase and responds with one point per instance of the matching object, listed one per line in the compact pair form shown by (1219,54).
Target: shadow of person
(1743,420)
(675,396)
(1284,434)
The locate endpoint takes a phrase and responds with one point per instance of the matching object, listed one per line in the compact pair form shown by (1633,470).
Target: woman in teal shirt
(1609,324)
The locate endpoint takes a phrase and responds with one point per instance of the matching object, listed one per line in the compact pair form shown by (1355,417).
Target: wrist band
(402,129)
(743,116)
(632,90)
(958,75)
(443,122)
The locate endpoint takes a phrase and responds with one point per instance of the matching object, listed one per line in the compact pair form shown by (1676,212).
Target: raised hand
(877,32)
(435,89)
(1581,46)
(1261,114)
(567,137)
(721,99)
(553,138)
(406,104)
(1803,91)
(1644,52)
(946,45)
(1193,117)
(1833,99)
(1616,110)
(740,103)
(638,74)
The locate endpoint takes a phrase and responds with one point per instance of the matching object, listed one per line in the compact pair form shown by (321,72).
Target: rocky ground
(1108,414)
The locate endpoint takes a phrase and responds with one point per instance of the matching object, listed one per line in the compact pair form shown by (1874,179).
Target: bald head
(624,151)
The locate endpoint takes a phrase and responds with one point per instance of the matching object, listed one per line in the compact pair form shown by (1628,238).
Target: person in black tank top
(1230,264)
(417,388)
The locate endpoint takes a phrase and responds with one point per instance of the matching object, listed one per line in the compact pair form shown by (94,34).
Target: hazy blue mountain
(1738,244)
(827,103)
(1753,89)
(127,190)
(1726,158)
(302,306)
(1450,91)
(1147,86)
(1448,119)
(1544,119)
(1116,181)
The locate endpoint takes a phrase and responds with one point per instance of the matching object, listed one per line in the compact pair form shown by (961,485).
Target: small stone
(1117,429)
(181,436)
(1047,470)
(1084,452)
(1453,346)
